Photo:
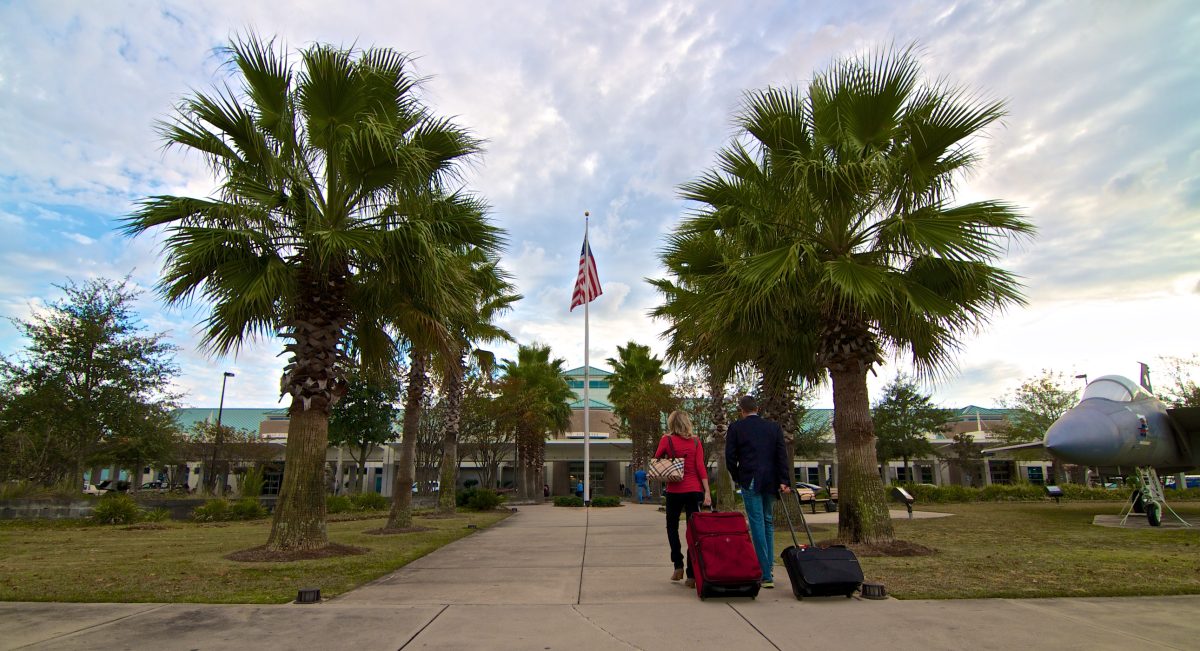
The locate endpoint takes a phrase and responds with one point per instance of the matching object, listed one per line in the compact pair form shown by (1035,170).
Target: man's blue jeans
(643,491)
(760,512)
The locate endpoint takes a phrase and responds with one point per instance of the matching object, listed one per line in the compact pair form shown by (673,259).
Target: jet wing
(1187,419)
(1032,445)
(1187,423)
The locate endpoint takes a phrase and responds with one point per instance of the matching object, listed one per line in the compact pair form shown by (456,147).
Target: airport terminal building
(609,454)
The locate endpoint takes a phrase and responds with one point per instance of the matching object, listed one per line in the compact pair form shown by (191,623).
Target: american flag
(587,283)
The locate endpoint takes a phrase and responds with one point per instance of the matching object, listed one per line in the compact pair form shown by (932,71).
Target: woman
(687,494)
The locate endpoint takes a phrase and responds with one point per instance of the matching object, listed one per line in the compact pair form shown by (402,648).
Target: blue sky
(608,107)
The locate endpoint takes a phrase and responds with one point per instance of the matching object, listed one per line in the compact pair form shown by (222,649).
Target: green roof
(592,404)
(971,411)
(592,372)
(235,417)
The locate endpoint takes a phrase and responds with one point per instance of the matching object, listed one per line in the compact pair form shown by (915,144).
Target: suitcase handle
(803,520)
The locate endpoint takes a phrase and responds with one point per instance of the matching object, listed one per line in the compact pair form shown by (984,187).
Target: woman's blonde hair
(679,423)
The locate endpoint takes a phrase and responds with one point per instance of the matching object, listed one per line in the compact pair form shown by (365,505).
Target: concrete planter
(45,508)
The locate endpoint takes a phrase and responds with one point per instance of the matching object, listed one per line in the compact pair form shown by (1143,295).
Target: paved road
(552,578)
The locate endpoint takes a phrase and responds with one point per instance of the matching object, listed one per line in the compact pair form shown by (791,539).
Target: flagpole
(587,382)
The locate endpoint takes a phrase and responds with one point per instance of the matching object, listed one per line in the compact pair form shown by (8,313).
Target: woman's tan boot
(678,575)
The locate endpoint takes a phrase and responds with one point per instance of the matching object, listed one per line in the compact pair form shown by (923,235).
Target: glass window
(1108,388)
(1035,475)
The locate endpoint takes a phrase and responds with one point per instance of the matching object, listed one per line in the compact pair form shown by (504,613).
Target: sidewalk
(555,578)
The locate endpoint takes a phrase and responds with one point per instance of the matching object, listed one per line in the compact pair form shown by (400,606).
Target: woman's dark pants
(687,503)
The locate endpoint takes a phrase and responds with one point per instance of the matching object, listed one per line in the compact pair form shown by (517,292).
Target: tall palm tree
(535,402)
(639,396)
(841,201)
(333,217)
(493,298)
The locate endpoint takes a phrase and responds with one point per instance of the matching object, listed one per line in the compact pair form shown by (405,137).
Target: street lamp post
(220,437)
(1082,376)
(221,406)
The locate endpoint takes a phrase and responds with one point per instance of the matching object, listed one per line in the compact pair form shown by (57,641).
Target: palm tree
(639,397)
(535,403)
(332,220)
(493,298)
(839,201)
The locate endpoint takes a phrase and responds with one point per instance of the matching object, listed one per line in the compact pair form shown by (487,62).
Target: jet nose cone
(1084,436)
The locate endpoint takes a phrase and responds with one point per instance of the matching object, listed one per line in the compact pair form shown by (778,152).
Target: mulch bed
(148,526)
(387,532)
(262,555)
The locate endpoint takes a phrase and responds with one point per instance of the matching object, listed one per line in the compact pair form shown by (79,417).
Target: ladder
(1152,492)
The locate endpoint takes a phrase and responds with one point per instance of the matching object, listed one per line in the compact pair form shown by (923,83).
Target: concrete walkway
(553,578)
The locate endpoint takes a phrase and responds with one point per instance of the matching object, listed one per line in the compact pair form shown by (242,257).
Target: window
(1035,475)
(926,475)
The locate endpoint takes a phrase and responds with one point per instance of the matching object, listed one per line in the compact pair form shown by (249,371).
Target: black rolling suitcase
(816,571)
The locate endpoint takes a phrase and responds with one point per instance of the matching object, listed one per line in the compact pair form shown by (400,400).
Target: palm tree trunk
(401,514)
(299,520)
(448,481)
(721,486)
(862,507)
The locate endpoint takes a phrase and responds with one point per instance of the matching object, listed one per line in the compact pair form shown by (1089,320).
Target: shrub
(252,482)
(606,500)
(483,500)
(117,509)
(463,496)
(338,504)
(215,510)
(369,501)
(156,515)
(247,508)
(568,500)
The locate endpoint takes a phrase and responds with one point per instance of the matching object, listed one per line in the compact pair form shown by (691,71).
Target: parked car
(156,486)
(92,489)
(106,485)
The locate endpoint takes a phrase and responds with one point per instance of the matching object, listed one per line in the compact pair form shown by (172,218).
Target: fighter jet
(1119,426)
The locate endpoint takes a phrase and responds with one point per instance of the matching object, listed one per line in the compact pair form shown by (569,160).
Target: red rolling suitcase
(723,558)
(819,571)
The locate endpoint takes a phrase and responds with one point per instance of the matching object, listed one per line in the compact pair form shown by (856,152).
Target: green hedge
(568,500)
(370,501)
(606,500)
(220,510)
(338,504)
(928,494)
(483,499)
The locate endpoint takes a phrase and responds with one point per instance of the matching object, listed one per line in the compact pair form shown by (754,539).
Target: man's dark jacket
(754,450)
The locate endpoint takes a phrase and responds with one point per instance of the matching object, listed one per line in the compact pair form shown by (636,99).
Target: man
(757,458)
(643,488)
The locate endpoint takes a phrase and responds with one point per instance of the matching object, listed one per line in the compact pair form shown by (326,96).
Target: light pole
(1082,376)
(220,438)
(221,406)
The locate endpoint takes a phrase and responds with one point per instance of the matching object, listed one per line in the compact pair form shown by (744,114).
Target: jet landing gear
(1148,498)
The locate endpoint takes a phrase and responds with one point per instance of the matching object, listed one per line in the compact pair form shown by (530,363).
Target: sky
(608,107)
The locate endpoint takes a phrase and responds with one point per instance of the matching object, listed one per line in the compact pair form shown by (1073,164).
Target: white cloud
(608,107)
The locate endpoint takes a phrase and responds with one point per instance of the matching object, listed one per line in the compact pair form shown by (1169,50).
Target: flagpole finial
(586,213)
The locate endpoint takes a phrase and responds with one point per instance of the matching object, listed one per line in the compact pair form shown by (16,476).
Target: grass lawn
(183,562)
(1018,549)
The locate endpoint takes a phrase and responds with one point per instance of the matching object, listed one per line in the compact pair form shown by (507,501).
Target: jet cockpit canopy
(1115,388)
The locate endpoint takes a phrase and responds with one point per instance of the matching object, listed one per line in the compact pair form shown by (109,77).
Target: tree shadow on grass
(262,555)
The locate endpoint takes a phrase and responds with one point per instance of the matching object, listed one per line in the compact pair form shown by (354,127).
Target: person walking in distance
(757,458)
(640,481)
(687,494)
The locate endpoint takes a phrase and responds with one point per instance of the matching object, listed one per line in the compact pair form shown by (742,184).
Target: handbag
(667,469)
